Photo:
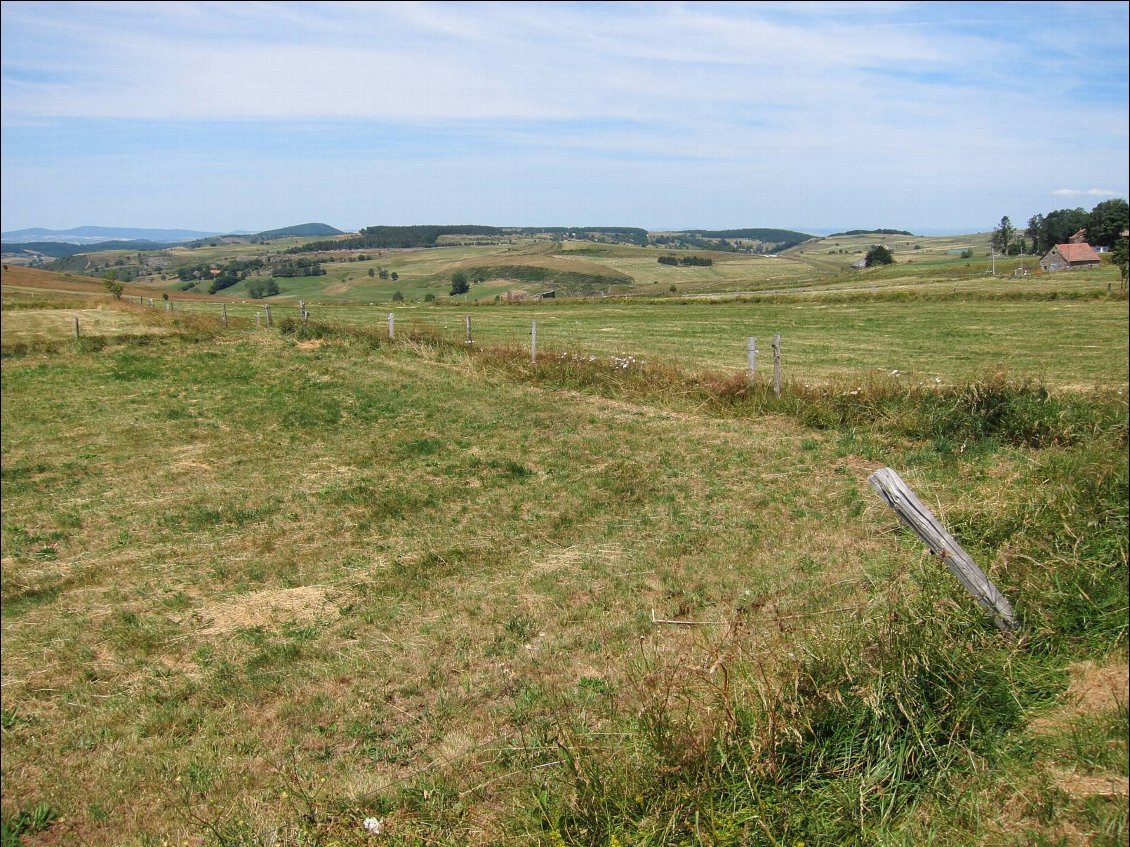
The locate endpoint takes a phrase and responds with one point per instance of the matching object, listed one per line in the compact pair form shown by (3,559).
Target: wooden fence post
(751,357)
(168,305)
(534,342)
(269,321)
(78,334)
(467,323)
(909,508)
(150,302)
(258,320)
(777,365)
(224,307)
(391,326)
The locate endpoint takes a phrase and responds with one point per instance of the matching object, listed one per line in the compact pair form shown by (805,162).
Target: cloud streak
(782,97)
(1090,192)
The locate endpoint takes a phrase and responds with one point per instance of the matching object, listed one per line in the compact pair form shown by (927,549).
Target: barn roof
(1078,252)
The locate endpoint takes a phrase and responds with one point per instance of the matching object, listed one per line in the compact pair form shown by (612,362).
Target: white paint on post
(391,326)
(777,365)
(534,342)
(751,356)
(897,494)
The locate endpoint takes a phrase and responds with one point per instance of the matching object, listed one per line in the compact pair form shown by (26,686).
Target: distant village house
(1070,257)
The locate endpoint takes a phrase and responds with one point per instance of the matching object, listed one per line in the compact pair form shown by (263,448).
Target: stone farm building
(1069,257)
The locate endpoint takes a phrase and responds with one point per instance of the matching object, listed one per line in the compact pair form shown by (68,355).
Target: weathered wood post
(269,321)
(467,325)
(777,365)
(150,302)
(897,494)
(391,326)
(78,333)
(258,320)
(168,305)
(224,308)
(534,342)
(302,310)
(751,357)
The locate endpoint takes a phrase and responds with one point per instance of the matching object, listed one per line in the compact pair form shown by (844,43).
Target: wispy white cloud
(923,97)
(1090,192)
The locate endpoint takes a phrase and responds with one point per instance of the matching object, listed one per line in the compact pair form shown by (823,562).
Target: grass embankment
(265,585)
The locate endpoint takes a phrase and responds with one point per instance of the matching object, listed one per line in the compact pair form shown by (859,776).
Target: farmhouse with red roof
(1069,257)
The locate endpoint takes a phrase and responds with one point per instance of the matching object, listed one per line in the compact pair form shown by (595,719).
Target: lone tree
(1120,256)
(879,255)
(112,285)
(1002,235)
(459,284)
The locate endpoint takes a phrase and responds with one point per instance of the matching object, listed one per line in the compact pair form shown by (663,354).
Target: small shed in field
(1070,257)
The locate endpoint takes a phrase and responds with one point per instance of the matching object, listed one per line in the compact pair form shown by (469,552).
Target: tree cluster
(686,261)
(299,267)
(1104,225)
(878,255)
(261,288)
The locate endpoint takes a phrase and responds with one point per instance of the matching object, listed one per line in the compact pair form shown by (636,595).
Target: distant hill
(94,234)
(870,232)
(297,230)
(65,249)
(766,240)
(384,237)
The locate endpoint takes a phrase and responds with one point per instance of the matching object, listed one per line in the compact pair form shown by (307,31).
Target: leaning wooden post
(467,325)
(909,508)
(78,333)
(534,342)
(224,307)
(777,365)
(391,326)
(751,357)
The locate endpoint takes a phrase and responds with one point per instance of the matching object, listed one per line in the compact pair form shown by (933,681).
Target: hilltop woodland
(1103,226)
(431,560)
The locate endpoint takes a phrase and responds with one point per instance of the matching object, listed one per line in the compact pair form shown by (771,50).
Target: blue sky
(932,117)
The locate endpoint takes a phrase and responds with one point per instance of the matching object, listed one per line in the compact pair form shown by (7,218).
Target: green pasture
(1065,343)
(33,325)
(259,587)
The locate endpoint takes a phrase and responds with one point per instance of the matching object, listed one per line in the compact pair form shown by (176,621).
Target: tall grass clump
(836,747)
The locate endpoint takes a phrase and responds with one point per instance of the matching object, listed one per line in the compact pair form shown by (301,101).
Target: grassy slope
(206,618)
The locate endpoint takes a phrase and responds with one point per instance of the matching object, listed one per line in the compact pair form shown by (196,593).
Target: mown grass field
(260,586)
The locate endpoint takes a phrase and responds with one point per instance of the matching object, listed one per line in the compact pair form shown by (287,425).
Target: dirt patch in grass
(1080,787)
(1094,689)
(305,605)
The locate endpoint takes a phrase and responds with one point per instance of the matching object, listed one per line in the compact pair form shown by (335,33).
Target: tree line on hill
(389,237)
(1103,225)
(686,261)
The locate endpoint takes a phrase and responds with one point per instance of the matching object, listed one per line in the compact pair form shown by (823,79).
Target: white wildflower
(373,826)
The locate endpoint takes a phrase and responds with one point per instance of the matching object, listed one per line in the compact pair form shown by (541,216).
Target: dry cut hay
(304,605)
